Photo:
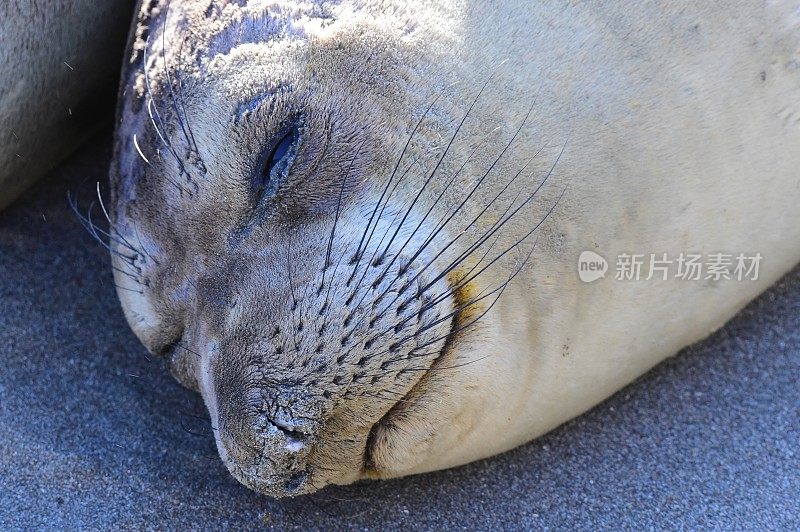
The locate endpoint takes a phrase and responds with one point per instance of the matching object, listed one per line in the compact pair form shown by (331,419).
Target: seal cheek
(400,441)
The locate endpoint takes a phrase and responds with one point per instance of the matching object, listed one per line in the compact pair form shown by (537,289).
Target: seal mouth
(460,294)
(370,468)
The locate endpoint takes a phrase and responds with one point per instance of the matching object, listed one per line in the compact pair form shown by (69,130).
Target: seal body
(59,62)
(356,227)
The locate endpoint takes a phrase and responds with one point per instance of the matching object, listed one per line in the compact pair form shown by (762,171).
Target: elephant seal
(59,65)
(355,227)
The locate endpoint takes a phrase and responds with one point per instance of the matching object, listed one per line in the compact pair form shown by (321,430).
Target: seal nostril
(296,481)
(295,440)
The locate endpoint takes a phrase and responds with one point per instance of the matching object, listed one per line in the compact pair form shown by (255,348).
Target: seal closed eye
(275,162)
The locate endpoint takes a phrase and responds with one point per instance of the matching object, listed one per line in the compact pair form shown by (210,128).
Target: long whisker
(93,231)
(497,226)
(169,77)
(359,251)
(427,182)
(375,252)
(437,299)
(443,296)
(336,217)
(488,234)
(183,104)
(152,110)
(499,290)
(451,315)
(111,225)
(466,281)
(461,204)
(479,262)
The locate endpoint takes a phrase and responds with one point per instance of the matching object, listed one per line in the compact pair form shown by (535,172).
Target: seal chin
(401,441)
(398,442)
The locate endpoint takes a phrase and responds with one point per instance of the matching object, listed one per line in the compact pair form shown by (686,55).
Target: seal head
(279,234)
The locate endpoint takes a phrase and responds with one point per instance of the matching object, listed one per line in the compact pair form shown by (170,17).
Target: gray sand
(94,435)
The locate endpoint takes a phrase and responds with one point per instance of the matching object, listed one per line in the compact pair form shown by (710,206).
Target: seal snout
(298,394)
(268,448)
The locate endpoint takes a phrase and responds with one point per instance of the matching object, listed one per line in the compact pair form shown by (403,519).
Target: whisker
(428,180)
(457,284)
(442,225)
(391,178)
(380,217)
(111,225)
(444,368)
(499,290)
(492,230)
(454,240)
(441,297)
(140,292)
(151,108)
(169,78)
(183,105)
(336,217)
(139,150)
(479,298)
(93,230)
